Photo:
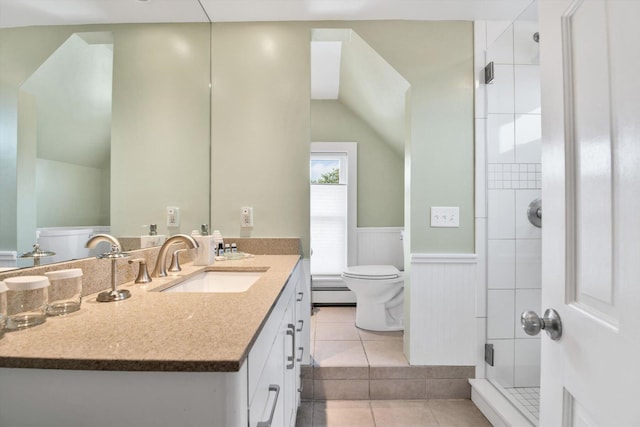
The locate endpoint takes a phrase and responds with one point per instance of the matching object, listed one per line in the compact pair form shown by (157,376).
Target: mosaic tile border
(514,176)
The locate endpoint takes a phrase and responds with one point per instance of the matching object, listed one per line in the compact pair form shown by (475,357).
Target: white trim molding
(444,258)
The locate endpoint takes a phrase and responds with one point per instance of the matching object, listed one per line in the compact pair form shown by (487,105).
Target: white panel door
(590,69)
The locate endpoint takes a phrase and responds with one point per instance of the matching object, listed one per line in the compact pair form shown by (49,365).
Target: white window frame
(351,149)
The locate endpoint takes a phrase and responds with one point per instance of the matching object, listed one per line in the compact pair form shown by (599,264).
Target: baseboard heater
(330,290)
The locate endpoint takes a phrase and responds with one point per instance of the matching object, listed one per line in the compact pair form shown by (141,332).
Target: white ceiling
(14,13)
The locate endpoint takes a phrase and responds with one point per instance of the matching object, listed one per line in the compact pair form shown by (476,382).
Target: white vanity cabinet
(264,392)
(274,361)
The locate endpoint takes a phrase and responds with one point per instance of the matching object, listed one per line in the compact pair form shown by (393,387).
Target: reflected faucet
(113,255)
(161,264)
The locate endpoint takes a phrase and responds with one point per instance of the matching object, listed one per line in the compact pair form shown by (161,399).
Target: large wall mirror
(102,127)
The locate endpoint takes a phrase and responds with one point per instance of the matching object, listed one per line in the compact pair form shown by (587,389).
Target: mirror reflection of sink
(218,281)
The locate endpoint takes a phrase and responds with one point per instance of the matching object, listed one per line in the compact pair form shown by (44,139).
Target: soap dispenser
(205,253)
(153,238)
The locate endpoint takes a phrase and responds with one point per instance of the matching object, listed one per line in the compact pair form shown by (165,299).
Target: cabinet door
(267,403)
(291,365)
(303,319)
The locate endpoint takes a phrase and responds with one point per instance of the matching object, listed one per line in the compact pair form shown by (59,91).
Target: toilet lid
(372,272)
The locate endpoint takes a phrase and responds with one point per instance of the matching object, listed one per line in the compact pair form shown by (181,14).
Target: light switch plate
(442,216)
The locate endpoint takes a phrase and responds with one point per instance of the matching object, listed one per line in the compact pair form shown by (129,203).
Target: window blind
(328,228)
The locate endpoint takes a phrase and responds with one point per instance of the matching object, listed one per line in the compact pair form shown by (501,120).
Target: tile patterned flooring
(358,376)
(527,399)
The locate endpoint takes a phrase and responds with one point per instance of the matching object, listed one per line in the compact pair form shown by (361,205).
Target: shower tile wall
(513,181)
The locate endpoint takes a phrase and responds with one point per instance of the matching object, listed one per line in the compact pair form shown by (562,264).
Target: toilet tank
(67,242)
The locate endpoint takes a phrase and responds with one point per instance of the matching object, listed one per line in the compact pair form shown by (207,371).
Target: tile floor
(390,413)
(340,350)
(336,342)
(527,399)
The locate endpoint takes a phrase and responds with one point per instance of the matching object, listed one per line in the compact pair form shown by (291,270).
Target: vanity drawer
(265,341)
(267,402)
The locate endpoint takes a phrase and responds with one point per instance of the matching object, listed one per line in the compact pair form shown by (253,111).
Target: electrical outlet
(173,216)
(246,217)
(445,216)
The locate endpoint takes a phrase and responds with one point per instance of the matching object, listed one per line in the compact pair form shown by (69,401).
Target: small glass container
(3,307)
(65,291)
(27,299)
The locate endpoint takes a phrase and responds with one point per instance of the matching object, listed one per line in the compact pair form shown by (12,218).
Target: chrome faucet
(113,255)
(161,264)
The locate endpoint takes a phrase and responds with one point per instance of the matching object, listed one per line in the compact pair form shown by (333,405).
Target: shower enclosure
(513,165)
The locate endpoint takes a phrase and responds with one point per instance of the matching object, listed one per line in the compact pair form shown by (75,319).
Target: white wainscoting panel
(442,320)
(380,246)
(8,259)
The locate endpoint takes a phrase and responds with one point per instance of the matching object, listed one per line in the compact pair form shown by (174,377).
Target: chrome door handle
(276,388)
(301,349)
(550,322)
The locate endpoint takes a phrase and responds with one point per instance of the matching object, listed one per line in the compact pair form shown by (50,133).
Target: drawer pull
(301,324)
(301,349)
(300,296)
(291,330)
(276,388)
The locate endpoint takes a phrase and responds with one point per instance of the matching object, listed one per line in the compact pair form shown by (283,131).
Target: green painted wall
(260,124)
(160,130)
(260,128)
(380,169)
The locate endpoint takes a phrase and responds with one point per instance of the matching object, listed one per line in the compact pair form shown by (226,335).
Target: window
(332,180)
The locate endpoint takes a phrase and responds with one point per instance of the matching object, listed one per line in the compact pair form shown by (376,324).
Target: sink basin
(218,281)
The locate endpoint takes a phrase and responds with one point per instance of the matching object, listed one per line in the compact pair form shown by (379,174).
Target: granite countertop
(155,331)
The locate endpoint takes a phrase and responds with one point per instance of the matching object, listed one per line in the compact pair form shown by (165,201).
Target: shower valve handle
(551,323)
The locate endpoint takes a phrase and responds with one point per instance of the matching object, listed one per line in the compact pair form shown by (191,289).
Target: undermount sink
(218,281)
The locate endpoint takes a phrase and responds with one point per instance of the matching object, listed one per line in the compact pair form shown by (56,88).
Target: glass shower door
(513,182)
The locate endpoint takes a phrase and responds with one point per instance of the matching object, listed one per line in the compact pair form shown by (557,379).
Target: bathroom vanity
(220,359)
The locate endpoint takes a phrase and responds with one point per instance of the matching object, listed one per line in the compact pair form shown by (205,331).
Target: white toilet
(67,242)
(379,293)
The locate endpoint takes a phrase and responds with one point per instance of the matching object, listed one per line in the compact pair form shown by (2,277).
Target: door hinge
(488,354)
(488,73)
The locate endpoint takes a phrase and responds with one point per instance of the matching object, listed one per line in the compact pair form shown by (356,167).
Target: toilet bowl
(379,291)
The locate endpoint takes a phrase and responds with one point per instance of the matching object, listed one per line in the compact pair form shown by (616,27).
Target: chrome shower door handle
(550,322)
(534,213)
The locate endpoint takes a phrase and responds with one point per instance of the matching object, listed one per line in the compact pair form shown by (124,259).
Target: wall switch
(246,217)
(445,216)
(173,216)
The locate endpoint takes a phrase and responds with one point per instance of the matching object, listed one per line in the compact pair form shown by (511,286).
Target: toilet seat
(372,272)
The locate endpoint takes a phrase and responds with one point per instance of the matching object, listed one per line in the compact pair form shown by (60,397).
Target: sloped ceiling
(346,68)
(72,89)
(363,98)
